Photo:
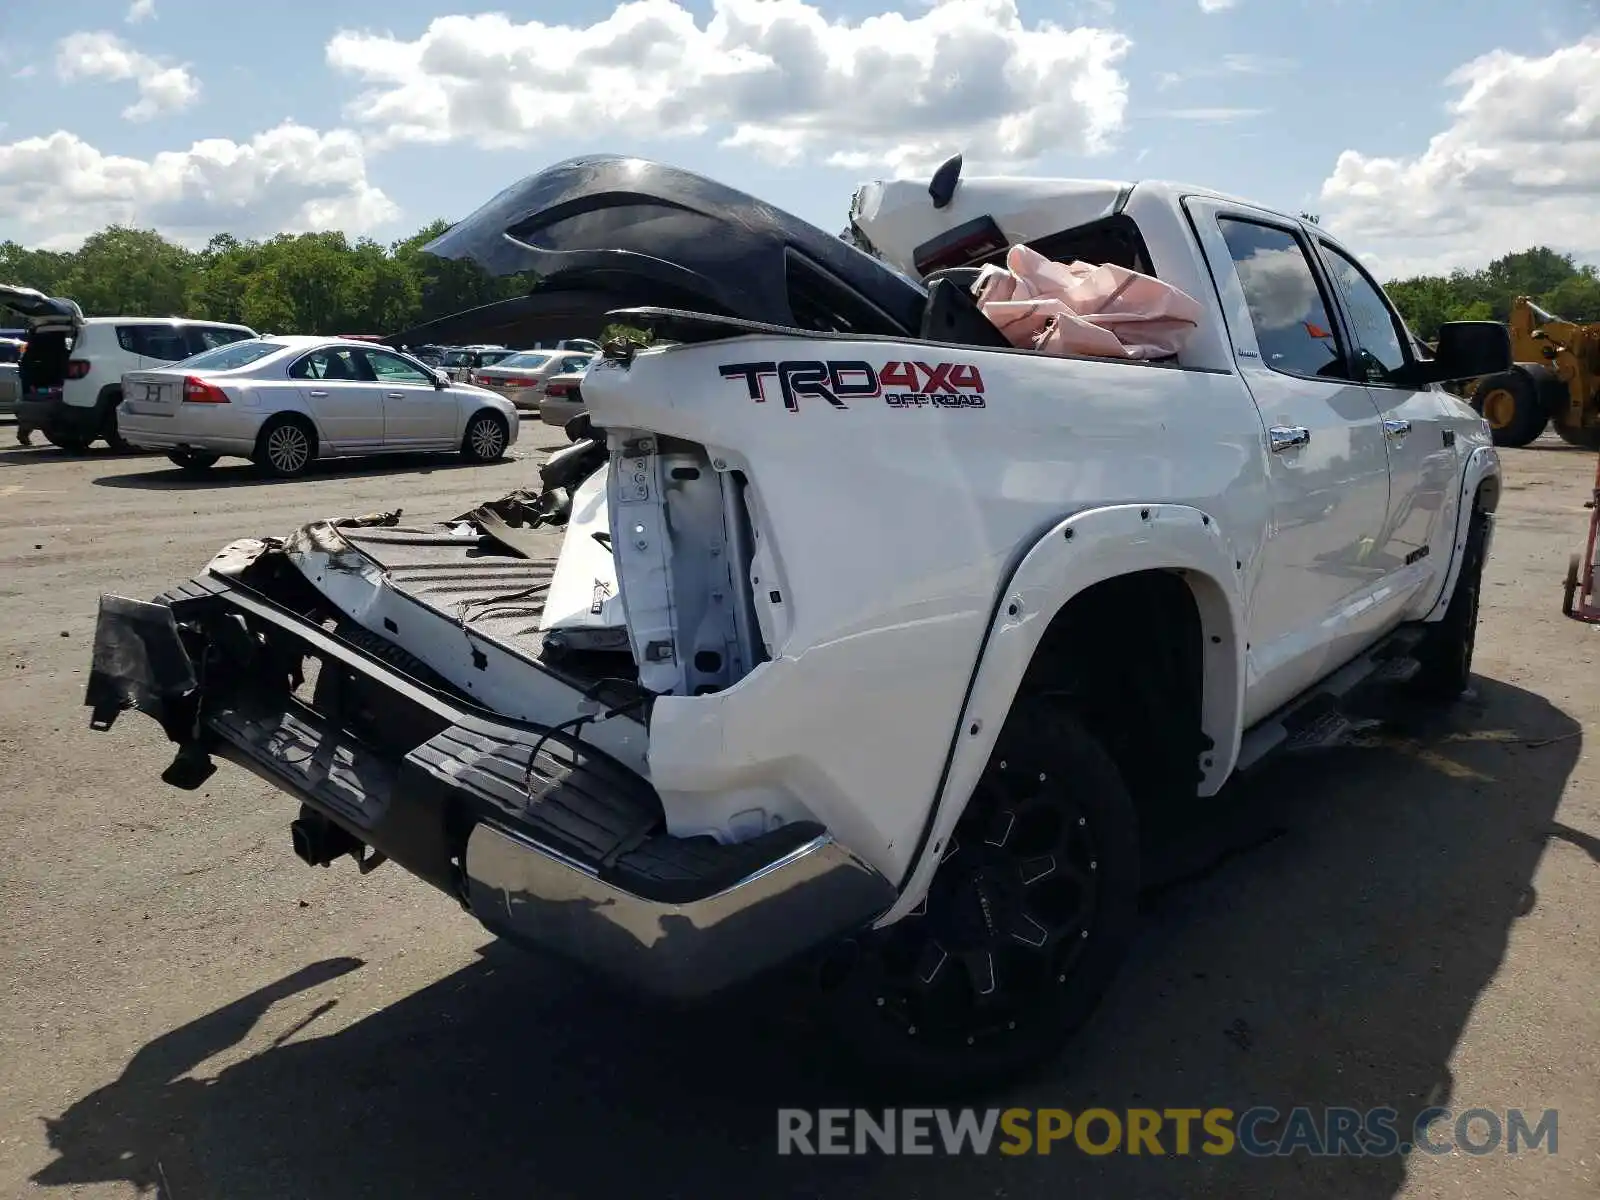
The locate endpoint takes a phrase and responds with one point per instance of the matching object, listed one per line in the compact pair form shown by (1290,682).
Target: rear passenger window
(1292,326)
(162,342)
(336,362)
(209,337)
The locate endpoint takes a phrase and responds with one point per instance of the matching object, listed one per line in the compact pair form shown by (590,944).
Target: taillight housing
(557,390)
(198,391)
(77,368)
(518,381)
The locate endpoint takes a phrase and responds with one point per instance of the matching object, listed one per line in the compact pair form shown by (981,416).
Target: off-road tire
(909,999)
(276,446)
(1585,437)
(486,438)
(193,462)
(1446,649)
(1510,402)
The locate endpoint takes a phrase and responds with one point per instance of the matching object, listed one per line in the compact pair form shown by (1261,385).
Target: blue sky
(1258,97)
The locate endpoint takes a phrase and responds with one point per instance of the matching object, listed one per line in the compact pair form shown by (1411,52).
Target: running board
(1317,719)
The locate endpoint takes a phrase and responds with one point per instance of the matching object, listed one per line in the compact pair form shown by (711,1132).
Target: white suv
(71,373)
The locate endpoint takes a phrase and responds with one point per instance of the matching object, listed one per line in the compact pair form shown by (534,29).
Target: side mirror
(440,380)
(1467,350)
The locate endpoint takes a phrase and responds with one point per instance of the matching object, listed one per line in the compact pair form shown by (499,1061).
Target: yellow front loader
(1555,381)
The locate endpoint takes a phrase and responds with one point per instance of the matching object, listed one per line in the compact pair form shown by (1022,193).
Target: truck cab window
(1376,329)
(1292,326)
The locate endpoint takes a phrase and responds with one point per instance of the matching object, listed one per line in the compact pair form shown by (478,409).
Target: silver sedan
(284,402)
(521,378)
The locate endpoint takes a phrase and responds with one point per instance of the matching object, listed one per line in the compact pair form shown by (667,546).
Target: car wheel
(486,437)
(193,462)
(1510,403)
(113,437)
(1447,647)
(1028,918)
(286,446)
(72,443)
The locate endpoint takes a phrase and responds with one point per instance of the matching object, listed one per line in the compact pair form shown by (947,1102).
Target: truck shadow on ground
(1317,936)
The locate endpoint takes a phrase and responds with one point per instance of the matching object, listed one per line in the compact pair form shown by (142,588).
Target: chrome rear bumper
(811,895)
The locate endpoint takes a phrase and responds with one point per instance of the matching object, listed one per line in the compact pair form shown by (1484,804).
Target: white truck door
(1315,597)
(1422,463)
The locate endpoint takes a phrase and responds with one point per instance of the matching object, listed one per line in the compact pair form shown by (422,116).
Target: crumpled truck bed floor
(468,579)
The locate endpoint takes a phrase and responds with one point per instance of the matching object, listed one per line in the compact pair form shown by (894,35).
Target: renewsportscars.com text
(1258,1131)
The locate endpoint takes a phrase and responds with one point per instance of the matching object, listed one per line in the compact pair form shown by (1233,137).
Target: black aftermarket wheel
(1447,647)
(1028,918)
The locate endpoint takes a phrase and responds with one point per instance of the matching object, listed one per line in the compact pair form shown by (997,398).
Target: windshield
(458,358)
(526,361)
(233,356)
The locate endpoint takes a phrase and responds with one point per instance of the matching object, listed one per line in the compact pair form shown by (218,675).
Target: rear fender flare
(1087,548)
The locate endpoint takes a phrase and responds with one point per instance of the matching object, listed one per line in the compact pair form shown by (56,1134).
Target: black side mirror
(1466,350)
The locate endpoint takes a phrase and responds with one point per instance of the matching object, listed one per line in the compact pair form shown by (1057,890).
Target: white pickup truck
(845,634)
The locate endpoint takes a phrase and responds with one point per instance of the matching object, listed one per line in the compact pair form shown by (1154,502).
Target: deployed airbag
(1079,308)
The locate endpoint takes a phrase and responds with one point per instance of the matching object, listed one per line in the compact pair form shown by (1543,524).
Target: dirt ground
(190,1012)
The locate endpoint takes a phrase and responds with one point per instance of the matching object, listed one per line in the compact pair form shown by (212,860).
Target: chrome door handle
(394,395)
(318,394)
(1395,428)
(1288,437)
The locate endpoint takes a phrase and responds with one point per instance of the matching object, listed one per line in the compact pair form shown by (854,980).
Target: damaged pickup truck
(845,633)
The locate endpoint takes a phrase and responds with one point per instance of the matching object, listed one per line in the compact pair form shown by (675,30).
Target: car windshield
(525,360)
(233,356)
(458,358)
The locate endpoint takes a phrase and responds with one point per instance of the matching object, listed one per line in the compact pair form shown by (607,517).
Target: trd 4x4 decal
(901,384)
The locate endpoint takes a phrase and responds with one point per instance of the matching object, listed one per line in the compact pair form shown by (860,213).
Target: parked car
(584,345)
(71,372)
(521,377)
(284,402)
(873,642)
(10,382)
(460,361)
(562,399)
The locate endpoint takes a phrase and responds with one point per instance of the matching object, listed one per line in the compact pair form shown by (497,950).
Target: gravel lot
(190,1012)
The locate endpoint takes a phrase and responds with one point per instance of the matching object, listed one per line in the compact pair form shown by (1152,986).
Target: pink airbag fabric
(1078,308)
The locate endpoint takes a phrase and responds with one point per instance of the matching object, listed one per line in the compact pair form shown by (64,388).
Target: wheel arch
(1172,551)
(1480,493)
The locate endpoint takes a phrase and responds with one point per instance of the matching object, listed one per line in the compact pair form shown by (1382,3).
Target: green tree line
(293,283)
(325,283)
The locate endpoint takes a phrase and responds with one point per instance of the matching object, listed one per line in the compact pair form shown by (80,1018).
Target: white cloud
(141,10)
(1227,65)
(288,179)
(774,76)
(1216,6)
(1518,165)
(1209,116)
(163,87)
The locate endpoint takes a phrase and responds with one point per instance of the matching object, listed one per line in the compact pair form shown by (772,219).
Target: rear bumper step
(568,855)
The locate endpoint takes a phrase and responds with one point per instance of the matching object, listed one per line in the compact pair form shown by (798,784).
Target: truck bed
(476,581)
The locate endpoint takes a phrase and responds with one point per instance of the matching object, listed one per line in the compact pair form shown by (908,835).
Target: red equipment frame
(1582,599)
